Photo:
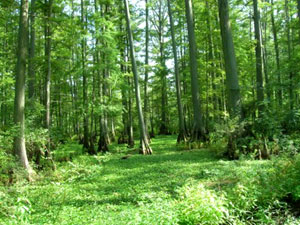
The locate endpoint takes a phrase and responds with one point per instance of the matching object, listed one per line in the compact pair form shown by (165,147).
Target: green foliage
(169,187)
(199,205)
(67,151)
(291,121)
(7,160)
(7,166)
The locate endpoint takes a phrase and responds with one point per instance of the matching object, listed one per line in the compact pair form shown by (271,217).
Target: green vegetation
(173,186)
(95,93)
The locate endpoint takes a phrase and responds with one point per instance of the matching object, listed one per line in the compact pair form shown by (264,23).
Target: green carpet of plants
(172,186)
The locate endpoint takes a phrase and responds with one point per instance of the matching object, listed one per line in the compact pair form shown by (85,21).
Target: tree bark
(103,139)
(298,14)
(291,75)
(31,63)
(163,129)
(146,70)
(84,83)
(259,62)
(198,133)
(130,119)
(182,133)
(276,46)
(48,43)
(211,57)
(145,147)
(232,81)
(19,114)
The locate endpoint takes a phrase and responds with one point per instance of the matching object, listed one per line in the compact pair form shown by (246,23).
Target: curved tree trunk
(145,147)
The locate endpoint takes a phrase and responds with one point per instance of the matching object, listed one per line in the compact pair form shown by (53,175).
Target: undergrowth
(173,186)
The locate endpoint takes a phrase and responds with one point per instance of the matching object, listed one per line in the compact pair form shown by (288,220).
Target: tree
(145,147)
(85,84)
(19,115)
(182,132)
(276,47)
(31,63)
(232,82)
(48,42)
(146,69)
(298,13)
(259,62)
(289,51)
(198,132)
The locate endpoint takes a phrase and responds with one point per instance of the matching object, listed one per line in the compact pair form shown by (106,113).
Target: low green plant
(198,205)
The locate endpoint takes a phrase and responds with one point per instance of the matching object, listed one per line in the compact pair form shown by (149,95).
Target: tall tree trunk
(276,46)
(130,119)
(48,34)
(199,133)
(163,129)
(145,147)
(265,59)
(232,82)
(124,92)
(211,57)
(298,14)
(146,102)
(259,62)
(31,63)
(103,139)
(291,75)
(19,115)
(84,82)
(182,132)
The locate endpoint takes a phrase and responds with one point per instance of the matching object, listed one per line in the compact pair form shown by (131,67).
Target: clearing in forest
(172,186)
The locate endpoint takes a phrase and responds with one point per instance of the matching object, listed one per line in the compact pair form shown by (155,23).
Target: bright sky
(137,2)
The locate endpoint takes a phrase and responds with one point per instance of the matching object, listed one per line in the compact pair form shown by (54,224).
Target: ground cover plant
(173,186)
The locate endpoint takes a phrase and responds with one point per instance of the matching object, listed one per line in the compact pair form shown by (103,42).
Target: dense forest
(149,112)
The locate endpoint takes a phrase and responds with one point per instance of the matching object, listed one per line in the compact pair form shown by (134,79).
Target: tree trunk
(211,57)
(182,132)
(291,75)
(31,63)
(276,46)
(48,43)
(199,133)
(298,14)
(130,120)
(84,83)
(163,129)
(146,70)
(145,147)
(232,82)
(124,135)
(259,62)
(104,137)
(265,60)
(19,115)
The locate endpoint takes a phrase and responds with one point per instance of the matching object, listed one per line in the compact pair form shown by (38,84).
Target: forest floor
(172,186)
